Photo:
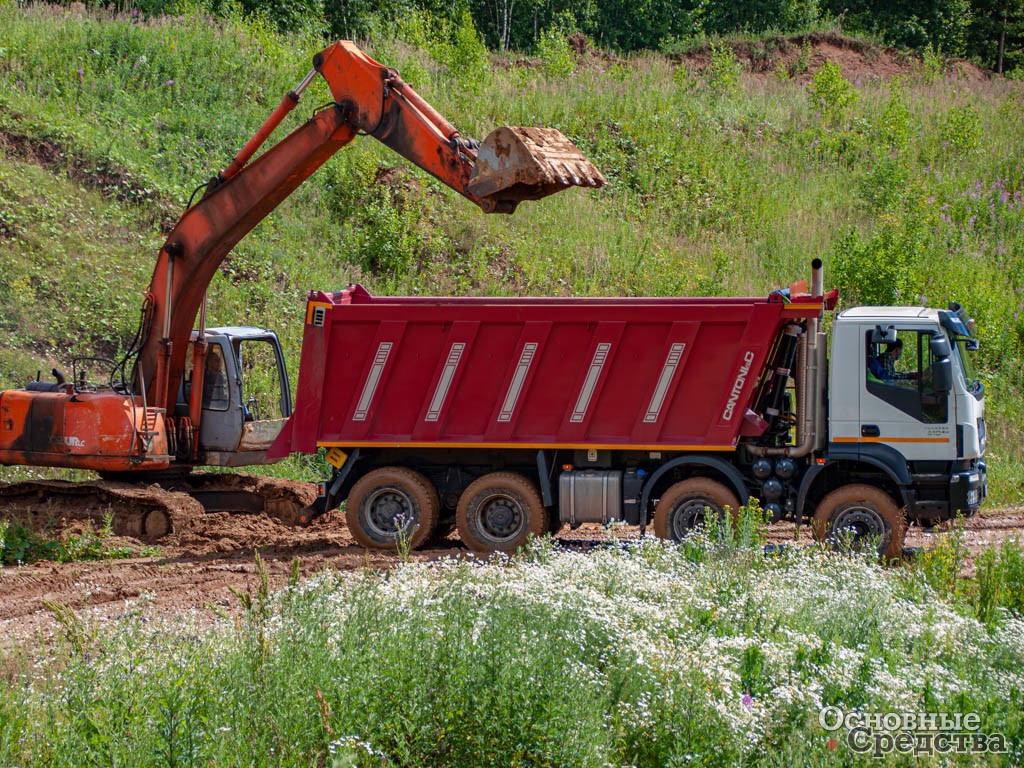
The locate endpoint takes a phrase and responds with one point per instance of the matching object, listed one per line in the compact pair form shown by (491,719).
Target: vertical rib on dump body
(650,373)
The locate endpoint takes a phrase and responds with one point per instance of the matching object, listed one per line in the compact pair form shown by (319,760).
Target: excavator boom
(140,425)
(512,165)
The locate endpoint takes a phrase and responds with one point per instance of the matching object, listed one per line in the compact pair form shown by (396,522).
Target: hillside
(730,167)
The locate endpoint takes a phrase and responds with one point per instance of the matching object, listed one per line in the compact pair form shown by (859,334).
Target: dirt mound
(797,57)
(104,176)
(585,52)
(800,56)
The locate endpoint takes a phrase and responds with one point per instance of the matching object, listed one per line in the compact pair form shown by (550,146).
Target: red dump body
(647,373)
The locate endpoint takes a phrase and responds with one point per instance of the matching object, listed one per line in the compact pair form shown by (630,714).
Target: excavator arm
(512,164)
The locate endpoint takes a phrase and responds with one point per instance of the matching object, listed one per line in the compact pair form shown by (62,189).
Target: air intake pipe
(784,366)
(808,380)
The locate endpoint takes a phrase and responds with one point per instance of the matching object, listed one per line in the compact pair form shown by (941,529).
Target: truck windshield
(966,358)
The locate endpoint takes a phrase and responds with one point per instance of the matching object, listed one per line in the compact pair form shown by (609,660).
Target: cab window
(899,373)
(216,396)
(262,393)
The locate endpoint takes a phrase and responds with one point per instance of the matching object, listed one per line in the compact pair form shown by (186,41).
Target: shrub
(882,269)
(962,129)
(831,93)
(460,48)
(893,126)
(932,64)
(884,187)
(554,49)
(723,73)
(1000,581)
(803,60)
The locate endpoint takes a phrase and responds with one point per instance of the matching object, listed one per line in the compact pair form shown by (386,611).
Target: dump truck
(180,397)
(509,417)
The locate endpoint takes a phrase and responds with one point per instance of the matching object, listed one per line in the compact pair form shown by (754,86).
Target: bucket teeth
(515,164)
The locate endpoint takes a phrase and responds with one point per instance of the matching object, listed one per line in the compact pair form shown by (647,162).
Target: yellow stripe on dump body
(525,446)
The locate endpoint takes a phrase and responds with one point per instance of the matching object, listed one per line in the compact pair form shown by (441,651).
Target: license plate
(974,496)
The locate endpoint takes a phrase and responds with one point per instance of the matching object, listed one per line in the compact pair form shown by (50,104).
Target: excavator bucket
(516,164)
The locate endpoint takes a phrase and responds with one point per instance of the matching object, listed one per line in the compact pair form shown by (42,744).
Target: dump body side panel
(673,374)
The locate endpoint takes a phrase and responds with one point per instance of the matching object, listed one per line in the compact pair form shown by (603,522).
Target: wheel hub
(501,518)
(388,511)
(859,523)
(687,516)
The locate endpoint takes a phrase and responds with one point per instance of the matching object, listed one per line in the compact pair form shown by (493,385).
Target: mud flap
(516,164)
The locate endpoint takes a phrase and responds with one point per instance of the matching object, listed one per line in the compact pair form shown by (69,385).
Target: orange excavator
(181,396)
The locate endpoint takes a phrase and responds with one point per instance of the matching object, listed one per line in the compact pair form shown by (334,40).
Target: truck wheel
(861,511)
(390,500)
(499,511)
(683,506)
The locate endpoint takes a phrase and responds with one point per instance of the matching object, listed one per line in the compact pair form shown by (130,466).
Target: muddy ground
(196,570)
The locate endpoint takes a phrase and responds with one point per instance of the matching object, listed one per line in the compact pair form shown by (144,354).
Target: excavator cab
(245,399)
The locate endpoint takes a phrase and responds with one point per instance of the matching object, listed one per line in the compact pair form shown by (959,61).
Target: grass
(711,190)
(21,544)
(709,653)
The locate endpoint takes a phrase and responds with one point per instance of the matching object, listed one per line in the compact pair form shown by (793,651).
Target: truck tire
(381,498)
(864,511)
(499,511)
(683,506)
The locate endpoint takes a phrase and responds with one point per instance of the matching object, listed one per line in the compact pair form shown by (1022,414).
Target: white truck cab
(904,397)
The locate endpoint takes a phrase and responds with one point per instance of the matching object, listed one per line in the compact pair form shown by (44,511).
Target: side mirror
(942,376)
(940,346)
(972,345)
(883,334)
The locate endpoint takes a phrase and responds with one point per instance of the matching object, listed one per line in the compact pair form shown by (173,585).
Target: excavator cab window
(216,395)
(263,397)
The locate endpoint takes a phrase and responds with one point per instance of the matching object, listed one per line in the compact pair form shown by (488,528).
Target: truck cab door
(904,388)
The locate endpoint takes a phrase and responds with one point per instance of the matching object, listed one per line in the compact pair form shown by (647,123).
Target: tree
(996,34)
(758,15)
(910,23)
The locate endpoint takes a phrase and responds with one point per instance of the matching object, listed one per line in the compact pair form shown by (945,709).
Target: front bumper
(968,489)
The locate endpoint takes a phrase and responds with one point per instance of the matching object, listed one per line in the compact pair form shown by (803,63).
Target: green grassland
(711,653)
(720,182)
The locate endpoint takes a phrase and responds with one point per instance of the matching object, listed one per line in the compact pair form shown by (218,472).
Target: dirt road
(197,570)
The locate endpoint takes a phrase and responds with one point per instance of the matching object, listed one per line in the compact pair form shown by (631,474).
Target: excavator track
(151,511)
